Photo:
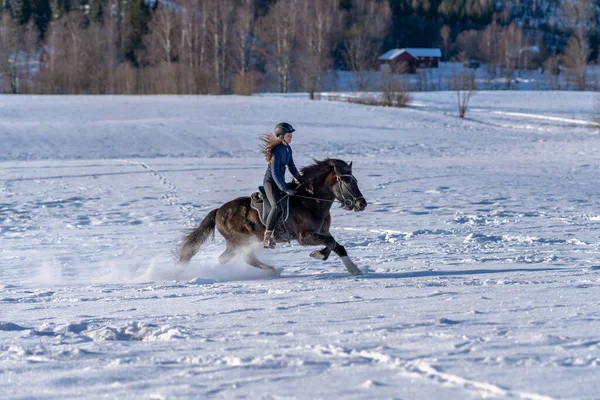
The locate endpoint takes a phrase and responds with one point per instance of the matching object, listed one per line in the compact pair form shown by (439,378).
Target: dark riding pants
(274,195)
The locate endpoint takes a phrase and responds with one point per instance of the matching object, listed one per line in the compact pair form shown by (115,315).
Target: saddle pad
(263,207)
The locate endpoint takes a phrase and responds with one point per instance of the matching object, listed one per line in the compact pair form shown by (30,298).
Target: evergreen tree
(137,18)
(96,10)
(61,7)
(346,5)
(21,11)
(42,14)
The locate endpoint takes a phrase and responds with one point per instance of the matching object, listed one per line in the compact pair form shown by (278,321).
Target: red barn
(408,60)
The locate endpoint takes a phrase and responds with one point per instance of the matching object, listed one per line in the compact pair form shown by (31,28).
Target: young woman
(278,152)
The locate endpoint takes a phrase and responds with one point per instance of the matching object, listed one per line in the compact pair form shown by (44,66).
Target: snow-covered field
(481,244)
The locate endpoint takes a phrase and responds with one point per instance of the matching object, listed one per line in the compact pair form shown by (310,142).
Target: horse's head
(345,186)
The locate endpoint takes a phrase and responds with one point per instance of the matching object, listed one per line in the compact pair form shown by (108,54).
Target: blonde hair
(267,143)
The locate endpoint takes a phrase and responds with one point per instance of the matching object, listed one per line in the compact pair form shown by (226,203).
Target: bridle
(345,189)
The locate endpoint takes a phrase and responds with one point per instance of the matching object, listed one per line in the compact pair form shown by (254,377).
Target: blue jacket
(282,157)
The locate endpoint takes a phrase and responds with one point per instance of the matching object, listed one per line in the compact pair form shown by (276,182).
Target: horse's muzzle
(360,204)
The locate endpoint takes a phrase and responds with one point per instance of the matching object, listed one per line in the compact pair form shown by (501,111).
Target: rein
(343,189)
(314,198)
(306,197)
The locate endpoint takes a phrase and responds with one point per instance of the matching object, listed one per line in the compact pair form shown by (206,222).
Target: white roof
(533,49)
(391,54)
(415,52)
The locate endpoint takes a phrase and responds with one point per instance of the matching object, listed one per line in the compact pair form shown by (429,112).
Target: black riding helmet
(283,128)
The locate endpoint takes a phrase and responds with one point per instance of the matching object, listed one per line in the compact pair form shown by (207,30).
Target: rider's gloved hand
(290,191)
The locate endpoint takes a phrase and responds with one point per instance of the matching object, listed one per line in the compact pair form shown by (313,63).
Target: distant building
(45,55)
(409,59)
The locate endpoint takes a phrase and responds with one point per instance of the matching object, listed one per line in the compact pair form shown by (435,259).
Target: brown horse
(308,222)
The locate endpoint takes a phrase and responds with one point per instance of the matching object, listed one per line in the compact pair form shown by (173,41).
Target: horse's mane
(324,167)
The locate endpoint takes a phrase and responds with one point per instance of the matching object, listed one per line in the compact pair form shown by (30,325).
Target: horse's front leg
(322,254)
(348,263)
(315,239)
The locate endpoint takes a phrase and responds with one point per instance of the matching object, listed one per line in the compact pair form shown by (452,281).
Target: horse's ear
(350,165)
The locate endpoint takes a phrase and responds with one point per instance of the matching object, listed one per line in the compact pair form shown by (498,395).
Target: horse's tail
(195,239)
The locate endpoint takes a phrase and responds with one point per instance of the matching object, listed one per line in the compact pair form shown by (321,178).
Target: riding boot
(269,240)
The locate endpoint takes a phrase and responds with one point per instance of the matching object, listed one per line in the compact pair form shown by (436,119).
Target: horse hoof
(275,272)
(318,255)
(350,266)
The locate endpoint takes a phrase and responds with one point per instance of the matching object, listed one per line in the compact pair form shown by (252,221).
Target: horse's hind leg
(230,252)
(251,259)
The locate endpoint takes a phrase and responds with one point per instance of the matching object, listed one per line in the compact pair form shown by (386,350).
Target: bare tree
(78,56)
(576,54)
(490,49)
(552,66)
(161,41)
(581,16)
(194,45)
(363,39)
(463,82)
(67,71)
(359,54)
(220,25)
(319,22)
(512,41)
(445,36)
(280,30)
(244,29)
(110,29)
(96,58)
(468,42)
(161,51)
(394,90)
(48,67)
(189,24)
(18,47)
(245,79)
(74,66)
(9,50)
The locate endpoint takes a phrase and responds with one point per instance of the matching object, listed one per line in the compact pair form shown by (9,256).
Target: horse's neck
(324,192)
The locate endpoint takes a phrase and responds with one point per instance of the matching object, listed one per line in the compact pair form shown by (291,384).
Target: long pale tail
(195,239)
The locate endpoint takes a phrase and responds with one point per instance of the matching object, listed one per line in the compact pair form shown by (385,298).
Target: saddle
(260,202)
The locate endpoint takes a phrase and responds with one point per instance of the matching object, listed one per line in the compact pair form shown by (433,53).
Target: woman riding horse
(325,182)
